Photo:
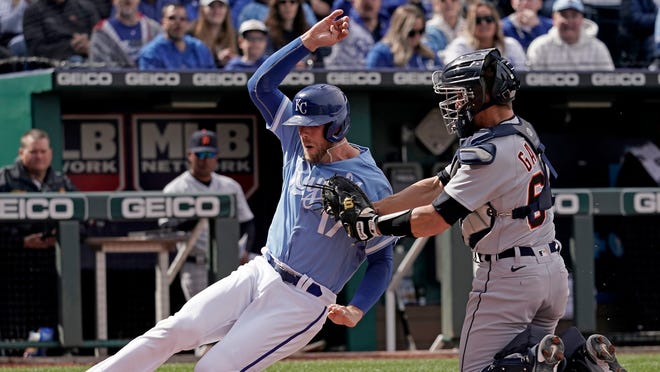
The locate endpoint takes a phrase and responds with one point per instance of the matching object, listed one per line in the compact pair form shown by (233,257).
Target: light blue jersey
(301,234)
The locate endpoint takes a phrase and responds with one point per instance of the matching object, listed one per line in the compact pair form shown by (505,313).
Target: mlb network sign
(93,151)
(160,144)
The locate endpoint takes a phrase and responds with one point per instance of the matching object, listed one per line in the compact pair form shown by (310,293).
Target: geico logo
(552,79)
(618,79)
(412,78)
(36,208)
(180,206)
(646,202)
(152,78)
(354,78)
(219,79)
(299,78)
(567,204)
(84,78)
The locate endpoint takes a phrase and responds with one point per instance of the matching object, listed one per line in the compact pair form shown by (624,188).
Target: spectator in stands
(252,40)
(173,49)
(368,26)
(655,66)
(483,30)
(525,23)
(636,28)
(117,41)
(402,46)
(321,8)
(154,8)
(571,44)
(285,21)
(445,24)
(11,27)
(259,9)
(215,29)
(27,251)
(59,29)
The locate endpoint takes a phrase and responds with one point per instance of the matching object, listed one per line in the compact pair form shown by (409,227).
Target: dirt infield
(8,362)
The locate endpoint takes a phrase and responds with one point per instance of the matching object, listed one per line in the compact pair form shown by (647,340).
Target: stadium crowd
(407,34)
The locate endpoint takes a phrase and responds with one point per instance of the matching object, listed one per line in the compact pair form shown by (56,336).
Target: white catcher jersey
(510,181)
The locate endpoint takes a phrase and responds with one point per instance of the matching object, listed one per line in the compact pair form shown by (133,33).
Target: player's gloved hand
(346,202)
(361,227)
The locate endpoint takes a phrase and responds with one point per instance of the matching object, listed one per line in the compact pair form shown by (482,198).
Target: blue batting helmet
(321,104)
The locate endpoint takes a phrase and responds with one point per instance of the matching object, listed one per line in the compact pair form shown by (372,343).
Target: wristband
(397,224)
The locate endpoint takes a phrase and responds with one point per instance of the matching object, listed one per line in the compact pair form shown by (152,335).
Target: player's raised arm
(327,32)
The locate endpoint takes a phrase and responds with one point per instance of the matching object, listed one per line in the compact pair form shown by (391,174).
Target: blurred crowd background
(403,34)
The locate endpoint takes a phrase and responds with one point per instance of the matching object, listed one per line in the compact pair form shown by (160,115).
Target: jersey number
(323,225)
(535,187)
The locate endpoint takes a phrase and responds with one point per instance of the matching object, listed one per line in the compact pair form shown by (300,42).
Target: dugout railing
(580,205)
(72,209)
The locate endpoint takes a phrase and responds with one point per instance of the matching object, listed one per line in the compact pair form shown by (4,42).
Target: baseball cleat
(602,351)
(549,353)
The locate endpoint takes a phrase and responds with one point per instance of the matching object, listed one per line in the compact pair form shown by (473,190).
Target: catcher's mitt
(345,201)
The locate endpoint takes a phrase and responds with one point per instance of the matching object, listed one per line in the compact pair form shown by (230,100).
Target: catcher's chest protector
(476,150)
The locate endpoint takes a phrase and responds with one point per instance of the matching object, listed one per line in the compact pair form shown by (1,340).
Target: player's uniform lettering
(533,192)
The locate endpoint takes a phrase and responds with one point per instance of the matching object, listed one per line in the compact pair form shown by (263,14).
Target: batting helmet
(472,83)
(322,104)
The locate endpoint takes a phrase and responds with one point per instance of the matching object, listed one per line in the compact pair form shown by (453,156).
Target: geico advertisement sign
(93,151)
(571,203)
(166,207)
(641,202)
(42,208)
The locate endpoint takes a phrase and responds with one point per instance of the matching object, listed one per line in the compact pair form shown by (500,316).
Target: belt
(524,251)
(292,278)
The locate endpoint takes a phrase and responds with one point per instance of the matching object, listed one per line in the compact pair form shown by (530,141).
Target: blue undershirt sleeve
(262,86)
(375,281)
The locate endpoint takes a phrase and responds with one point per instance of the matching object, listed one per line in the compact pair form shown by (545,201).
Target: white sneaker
(601,350)
(549,353)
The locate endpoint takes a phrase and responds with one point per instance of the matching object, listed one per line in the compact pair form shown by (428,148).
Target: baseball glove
(346,202)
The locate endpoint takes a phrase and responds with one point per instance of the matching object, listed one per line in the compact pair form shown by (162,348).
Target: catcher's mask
(321,104)
(472,83)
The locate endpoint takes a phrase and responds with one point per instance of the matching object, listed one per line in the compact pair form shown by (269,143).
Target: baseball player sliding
(273,306)
(498,186)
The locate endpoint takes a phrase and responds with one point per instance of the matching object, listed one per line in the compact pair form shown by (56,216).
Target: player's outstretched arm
(326,32)
(420,193)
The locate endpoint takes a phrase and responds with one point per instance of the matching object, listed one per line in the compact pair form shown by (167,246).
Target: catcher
(498,186)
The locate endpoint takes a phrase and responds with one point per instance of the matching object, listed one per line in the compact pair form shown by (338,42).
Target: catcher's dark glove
(346,202)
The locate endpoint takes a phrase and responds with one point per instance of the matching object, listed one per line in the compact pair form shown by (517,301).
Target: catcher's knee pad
(517,355)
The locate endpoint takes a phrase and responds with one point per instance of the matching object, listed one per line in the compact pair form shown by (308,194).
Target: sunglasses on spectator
(206,155)
(412,33)
(487,19)
(287,1)
(255,38)
(175,18)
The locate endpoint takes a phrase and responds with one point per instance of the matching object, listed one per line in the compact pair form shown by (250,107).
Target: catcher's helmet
(471,83)
(321,104)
